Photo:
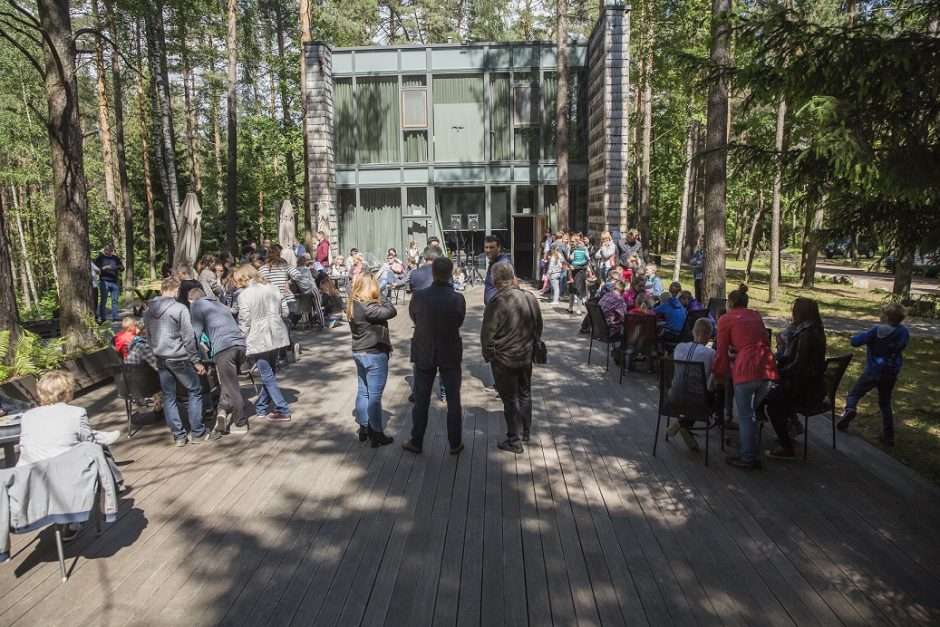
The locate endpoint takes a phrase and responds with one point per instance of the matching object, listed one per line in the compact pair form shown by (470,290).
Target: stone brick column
(608,133)
(318,135)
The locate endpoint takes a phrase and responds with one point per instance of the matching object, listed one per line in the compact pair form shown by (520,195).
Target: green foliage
(31,356)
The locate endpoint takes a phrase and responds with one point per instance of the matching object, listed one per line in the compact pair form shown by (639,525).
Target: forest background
(762,125)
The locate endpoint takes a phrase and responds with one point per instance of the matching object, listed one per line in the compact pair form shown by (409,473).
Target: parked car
(928,263)
(843,248)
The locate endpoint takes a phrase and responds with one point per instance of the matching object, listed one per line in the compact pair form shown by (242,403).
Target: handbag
(539,350)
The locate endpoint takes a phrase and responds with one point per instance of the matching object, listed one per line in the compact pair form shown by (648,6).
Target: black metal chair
(835,370)
(832,375)
(134,381)
(717,307)
(683,394)
(599,330)
(639,338)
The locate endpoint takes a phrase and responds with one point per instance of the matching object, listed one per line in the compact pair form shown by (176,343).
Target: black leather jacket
(510,322)
(369,326)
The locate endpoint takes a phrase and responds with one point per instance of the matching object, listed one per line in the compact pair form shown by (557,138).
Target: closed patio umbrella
(286,233)
(190,231)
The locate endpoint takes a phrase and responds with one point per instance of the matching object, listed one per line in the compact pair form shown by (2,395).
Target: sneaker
(239,429)
(70,531)
(506,445)
(278,417)
(689,439)
(180,441)
(411,447)
(332,324)
(221,421)
(847,416)
(107,437)
(781,452)
(673,429)
(208,436)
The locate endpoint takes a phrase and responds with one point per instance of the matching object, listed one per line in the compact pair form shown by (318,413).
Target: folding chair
(134,381)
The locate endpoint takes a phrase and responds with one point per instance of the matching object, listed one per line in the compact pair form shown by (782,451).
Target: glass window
(414,107)
(525,105)
(458,118)
(550,198)
(416,146)
(380,222)
(549,89)
(417,201)
(377,120)
(526,145)
(346,213)
(499,117)
(343,121)
(527,199)
(499,209)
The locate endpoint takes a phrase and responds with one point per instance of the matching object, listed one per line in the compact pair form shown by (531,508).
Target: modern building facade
(405,142)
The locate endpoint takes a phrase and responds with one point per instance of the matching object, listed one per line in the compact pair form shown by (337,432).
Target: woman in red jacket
(743,350)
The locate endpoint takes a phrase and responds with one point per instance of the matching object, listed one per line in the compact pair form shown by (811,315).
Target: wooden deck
(300,523)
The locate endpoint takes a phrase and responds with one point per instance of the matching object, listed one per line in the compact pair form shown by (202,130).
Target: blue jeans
(747,396)
(270,392)
(556,287)
(868,381)
(105,289)
(387,281)
(181,371)
(372,371)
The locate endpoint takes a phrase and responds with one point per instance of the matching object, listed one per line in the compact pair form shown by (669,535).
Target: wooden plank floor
(299,523)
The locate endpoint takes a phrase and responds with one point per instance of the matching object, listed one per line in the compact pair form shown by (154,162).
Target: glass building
(405,142)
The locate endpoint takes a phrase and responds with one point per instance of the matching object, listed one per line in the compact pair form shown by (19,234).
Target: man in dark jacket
(511,321)
(174,343)
(111,266)
(438,313)
(629,247)
(227,349)
(422,277)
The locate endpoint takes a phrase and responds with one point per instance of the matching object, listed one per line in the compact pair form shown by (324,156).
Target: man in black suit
(421,277)
(438,313)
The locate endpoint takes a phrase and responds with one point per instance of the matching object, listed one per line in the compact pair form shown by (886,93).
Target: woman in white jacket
(259,318)
(606,254)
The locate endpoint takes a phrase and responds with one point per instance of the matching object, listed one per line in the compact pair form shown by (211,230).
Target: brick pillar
(318,134)
(608,134)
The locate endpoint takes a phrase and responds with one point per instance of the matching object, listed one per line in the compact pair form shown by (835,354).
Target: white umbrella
(286,233)
(190,231)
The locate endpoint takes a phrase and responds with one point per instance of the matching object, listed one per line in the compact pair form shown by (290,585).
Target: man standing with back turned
(438,313)
(511,322)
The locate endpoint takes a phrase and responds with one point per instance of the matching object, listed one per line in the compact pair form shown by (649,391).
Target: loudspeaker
(456,221)
(473,221)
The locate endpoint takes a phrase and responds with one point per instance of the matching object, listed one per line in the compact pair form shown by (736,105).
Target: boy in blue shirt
(885,343)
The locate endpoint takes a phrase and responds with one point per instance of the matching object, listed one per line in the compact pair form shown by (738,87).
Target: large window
(458,118)
(380,221)
(377,120)
(346,214)
(499,117)
(343,121)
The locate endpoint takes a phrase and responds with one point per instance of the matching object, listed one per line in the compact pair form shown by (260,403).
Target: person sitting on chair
(615,309)
(683,387)
(674,314)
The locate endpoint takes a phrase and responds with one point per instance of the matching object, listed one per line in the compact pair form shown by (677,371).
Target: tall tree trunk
(811,246)
(145,152)
(192,130)
(311,221)
(756,230)
(161,120)
(124,194)
(647,103)
(231,186)
(716,163)
(216,132)
(68,173)
(693,226)
(739,228)
(778,186)
(104,125)
(9,312)
(285,114)
(684,210)
(903,272)
(561,113)
(29,281)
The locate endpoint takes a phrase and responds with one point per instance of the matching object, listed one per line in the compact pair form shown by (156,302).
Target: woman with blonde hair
(259,319)
(368,316)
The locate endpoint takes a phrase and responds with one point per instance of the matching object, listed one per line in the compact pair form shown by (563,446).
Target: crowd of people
(233,319)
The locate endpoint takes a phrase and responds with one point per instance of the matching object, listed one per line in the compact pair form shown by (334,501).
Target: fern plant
(5,371)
